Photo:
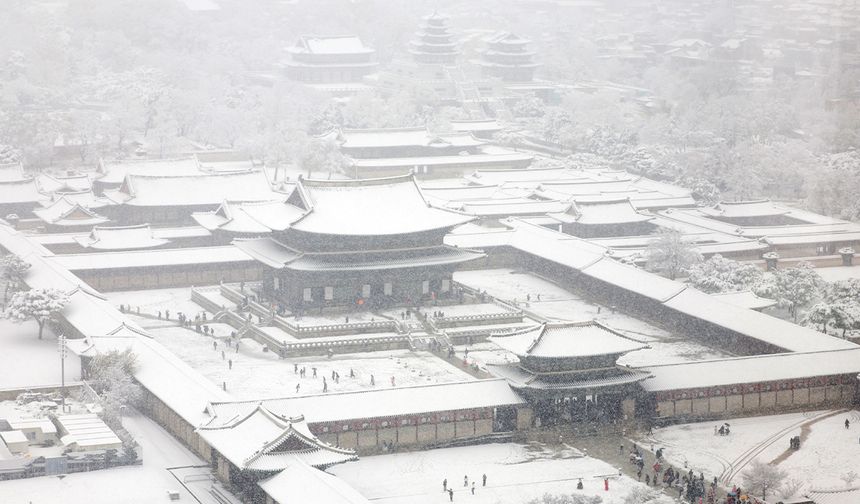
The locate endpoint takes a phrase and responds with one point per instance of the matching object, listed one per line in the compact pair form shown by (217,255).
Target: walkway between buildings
(605,442)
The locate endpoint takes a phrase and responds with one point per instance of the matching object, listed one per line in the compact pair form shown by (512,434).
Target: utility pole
(61,341)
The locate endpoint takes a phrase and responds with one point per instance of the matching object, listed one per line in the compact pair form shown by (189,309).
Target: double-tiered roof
(508,57)
(340,225)
(567,356)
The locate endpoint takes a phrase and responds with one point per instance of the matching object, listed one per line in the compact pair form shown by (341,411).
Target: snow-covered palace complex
(285,331)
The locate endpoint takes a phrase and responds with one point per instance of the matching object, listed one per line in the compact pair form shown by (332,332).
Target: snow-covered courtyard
(153,301)
(515,474)
(258,374)
(27,361)
(828,450)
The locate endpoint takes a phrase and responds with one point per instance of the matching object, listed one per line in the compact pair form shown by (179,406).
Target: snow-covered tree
(13,267)
(528,106)
(849,478)
(842,290)
(321,155)
(645,495)
(762,479)
(507,138)
(670,255)
(793,288)
(719,274)
(567,499)
(843,314)
(111,376)
(8,154)
(703,191)
(41,305)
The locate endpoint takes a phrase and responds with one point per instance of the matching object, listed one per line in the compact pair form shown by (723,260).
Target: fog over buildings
(415,252)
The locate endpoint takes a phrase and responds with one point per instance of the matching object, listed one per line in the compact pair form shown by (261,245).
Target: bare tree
(762,478)
(670,255)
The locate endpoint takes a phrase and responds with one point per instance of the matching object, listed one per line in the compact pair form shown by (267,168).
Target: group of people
(450,489)
(691,487)
(302,372)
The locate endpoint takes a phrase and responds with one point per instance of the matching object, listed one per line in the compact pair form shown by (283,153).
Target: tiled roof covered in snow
(565,340)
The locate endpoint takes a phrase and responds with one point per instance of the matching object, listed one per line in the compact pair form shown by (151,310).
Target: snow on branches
(41,305)
(719,274)
(670,255)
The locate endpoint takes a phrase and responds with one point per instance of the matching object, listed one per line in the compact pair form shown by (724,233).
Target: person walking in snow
(465,481)
(451,494)
(473,488)
(297,387)
(314,371)
(325,385)
(372,381)
(847,424)
(445,485)
(484,478)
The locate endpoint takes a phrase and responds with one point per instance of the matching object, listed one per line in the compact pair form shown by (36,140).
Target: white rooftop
(193,190)
(405,137)
(13,436)
(114,171)
(384,402)
(758,368)
(385,206)
(330,45)
(121,238)
(566,340)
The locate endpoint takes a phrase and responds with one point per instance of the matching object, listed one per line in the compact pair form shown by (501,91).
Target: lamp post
(61,342)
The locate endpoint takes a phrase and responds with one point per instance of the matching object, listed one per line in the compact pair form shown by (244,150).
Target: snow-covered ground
(259,374)
(837,273)
(27,361)
(515,474)
(828,450)
(151,301)
(319,320)
(142,484)
(470,309)
(558,303)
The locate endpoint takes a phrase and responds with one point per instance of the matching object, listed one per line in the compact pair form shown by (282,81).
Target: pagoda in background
(508,57)
(434,43)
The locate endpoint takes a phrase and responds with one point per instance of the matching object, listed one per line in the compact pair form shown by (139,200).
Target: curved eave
(521,380)
(309,228)
(311,263)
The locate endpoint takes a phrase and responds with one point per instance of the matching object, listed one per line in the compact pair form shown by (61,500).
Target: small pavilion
(569,370)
